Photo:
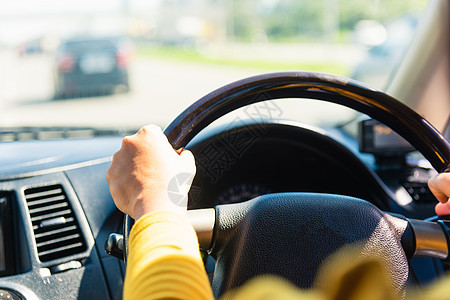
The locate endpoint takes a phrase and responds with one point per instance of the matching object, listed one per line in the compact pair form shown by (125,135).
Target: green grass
(177,54)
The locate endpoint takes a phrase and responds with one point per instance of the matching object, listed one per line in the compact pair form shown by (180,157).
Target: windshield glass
(126,63)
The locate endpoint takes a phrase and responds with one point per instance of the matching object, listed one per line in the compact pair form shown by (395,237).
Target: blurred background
(126,63)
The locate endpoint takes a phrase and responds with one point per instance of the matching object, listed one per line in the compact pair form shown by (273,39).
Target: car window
(83,45)
(123,64)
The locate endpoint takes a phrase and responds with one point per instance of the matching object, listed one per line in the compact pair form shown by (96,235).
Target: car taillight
(124,54)
(66,63)
(122,59)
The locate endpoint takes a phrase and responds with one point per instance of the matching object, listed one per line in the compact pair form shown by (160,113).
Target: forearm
(164,260)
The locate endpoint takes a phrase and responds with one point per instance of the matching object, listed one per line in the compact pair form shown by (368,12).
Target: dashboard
(236,162)
(56,211)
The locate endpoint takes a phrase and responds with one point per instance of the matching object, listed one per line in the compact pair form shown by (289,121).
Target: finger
(151,134)
(439,196)
(442,209)
(188,161)
(150,129)
(154,136)
(440,186)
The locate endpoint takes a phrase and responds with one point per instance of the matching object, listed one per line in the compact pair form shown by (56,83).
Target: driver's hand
(440,187)
(148,175)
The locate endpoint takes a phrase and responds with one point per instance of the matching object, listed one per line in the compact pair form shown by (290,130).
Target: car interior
(262,182)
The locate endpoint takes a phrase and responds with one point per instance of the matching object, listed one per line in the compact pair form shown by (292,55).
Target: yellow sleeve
(164,260)
(439,290)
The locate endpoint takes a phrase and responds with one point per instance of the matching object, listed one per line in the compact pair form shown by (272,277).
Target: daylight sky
(24,20)
(27,7)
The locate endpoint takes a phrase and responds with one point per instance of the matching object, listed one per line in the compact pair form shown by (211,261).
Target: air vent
(420,192)
(55,227)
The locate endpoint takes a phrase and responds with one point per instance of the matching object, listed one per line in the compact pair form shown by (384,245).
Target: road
(160,90)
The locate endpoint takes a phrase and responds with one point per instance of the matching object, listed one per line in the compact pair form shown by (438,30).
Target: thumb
(188,162)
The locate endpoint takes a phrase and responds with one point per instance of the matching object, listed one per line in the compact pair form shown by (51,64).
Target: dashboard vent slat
(45,194)
(47,208)
(52,215)
(55,232)
(70,237)
(55,227)
(60,249)
(45,200)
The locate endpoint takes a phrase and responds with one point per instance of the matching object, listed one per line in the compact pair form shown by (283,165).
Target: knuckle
(142,131)
(446,179)
(441,181)
(127,139)
(110,173)
(150,129)
(126,142)
(432,182)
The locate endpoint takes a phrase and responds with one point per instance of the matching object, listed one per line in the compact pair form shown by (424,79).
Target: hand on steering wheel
(143,169)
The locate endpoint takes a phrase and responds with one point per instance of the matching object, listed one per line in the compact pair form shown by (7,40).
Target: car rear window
(89,45)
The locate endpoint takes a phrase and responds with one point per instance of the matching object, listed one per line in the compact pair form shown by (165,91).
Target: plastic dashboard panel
(94,275)
(34,275)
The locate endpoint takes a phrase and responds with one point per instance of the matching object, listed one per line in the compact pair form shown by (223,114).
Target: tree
(294,19)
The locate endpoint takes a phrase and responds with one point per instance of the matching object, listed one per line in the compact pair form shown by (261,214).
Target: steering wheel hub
(289,234)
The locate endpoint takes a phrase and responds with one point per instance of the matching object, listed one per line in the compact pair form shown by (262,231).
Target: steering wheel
(290,234)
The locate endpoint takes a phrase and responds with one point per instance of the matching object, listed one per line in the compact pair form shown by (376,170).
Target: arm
(164,260)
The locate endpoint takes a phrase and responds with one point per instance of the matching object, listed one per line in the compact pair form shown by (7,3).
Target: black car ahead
(91,66)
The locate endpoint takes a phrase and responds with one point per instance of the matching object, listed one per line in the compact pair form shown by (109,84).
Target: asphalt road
(160,90)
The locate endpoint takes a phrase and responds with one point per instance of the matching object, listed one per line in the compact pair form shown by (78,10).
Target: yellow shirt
(164,263)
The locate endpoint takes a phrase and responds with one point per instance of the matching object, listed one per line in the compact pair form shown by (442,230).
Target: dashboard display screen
(378,138)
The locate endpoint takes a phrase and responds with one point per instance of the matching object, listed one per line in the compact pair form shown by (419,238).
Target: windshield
(123,64)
